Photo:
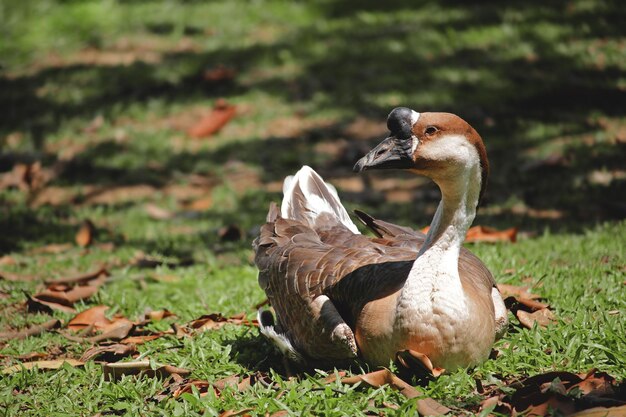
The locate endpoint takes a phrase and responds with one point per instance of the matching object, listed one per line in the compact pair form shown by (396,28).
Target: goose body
(338,294)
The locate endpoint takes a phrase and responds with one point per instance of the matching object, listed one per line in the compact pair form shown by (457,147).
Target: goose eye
(431,130)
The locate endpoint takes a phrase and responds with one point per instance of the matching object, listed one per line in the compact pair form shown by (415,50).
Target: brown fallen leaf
(158,315)
(63,296)
(109,353)
(508,290)
(119,330)
(487,234)
(140,340)
(219,73)
(26,177)
(230,413)
(31,331)
(32,356)
(157,213)
(185,386)
(36,305)
(85,235)
(543,318)
(14,277)
(376,379)
(7,260)
(53,248)
(564,393)
(79,279)
(115,370)
(199,204)
(417,363)
(213,122)
(94,316)
(216,320)
(43,365)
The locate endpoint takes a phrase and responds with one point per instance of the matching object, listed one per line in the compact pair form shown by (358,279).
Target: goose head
(441,146)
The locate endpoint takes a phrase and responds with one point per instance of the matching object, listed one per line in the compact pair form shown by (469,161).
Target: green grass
(106,89)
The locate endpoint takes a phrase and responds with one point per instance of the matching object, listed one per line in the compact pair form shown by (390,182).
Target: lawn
(97,101)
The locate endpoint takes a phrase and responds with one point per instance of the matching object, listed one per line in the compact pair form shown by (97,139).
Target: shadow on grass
(508,70)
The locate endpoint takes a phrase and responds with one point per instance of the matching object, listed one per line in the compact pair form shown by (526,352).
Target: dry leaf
(159,315)
(417,363)
(31,331)
(553,392)
(114,371)
(213,122)
(219,73)
(425,406)
(216,320)
(157,213)
(81,278)
(109,353)
(26,177)
(12,276)
(486,234)
(7,260)
(140,340)
(35,305)
(489,234)
(230,413)
(508,290)
(63,296)
(53,248)
(186,387)
(117,331)
(200,204)
(85,235)
(93,316)
(28,357)
(44,365)
(543,318)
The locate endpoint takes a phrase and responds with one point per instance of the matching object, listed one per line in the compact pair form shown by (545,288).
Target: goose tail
(280,341)
(308,199)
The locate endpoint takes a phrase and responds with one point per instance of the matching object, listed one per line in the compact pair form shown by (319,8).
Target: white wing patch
(307,196)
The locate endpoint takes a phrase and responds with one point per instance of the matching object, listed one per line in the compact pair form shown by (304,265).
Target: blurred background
(162,122)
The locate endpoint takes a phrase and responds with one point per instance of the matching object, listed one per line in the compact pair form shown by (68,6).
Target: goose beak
(391,153)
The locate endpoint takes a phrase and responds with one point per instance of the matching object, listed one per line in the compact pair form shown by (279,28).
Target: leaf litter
(119,337)
(526,307)
(60,295)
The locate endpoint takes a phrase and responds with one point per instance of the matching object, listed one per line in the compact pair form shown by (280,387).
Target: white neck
(460,190)
(454,215)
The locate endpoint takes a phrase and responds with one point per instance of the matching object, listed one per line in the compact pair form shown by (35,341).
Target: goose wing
(471,269)
(297,263)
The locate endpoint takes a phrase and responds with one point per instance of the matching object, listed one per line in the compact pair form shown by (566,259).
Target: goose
(338,294)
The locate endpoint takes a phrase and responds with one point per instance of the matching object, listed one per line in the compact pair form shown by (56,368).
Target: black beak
(395,151)
(391,153)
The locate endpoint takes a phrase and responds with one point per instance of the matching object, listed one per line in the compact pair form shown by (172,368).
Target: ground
(98,98)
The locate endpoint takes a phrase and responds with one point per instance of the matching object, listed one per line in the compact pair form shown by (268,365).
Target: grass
(106,89)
